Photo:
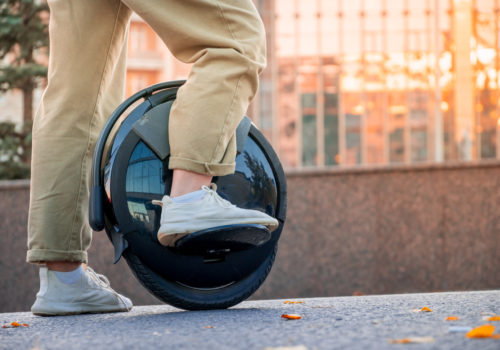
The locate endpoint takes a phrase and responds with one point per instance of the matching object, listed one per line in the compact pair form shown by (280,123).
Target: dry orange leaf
(15,325)
(291,316)
(209,327)
(494,318)
(484,331)
(293,302)
(298,347)
(425,309)
(452,318)
(400,341)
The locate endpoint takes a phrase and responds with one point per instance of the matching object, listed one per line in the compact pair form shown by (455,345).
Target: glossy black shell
(133,175)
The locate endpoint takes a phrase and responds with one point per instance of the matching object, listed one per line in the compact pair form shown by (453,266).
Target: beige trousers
(225,41)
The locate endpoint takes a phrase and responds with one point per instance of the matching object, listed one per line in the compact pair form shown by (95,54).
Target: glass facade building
(355,82)
(362,82)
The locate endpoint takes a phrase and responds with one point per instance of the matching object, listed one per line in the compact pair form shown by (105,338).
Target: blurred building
(386,81)
(368,81)
(353,82)
(148,60)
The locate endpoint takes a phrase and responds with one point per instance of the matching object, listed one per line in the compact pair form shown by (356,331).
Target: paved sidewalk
(364,322)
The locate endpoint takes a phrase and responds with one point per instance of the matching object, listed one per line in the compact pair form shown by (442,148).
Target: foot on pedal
(210,213)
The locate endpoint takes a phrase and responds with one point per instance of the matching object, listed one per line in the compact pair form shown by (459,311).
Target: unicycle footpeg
(225,238)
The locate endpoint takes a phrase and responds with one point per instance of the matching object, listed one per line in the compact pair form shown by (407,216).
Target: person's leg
(85,84)
(184,182)
(225,41)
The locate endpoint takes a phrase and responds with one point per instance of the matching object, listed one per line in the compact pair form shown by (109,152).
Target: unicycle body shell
(128,174)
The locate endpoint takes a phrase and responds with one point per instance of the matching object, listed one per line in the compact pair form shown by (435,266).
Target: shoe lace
(103,281)
(212,191)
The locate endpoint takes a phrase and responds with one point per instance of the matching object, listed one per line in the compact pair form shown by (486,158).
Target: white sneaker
(180,219)
(92,294)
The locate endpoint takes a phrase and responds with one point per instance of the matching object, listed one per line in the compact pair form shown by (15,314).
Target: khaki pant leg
(85,84)
(225,40)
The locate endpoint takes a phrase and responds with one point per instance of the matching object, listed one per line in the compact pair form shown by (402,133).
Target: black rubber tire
(194,299)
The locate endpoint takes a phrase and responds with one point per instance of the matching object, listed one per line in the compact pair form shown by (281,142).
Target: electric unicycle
(206,270)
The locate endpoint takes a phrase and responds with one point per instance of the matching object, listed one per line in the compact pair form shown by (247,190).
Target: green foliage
(23,32)
(15,151)
(22,23)
(12,77)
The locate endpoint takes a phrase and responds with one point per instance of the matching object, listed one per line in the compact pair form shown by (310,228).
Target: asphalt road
(361,322)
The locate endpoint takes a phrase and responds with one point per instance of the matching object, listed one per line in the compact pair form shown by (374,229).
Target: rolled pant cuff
(42,255)
(214,169)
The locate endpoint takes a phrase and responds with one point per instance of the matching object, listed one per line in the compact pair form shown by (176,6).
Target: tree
(15,151)
(23,35)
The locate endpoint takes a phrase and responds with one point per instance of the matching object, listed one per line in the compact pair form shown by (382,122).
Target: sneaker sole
(46,314)
(65,310)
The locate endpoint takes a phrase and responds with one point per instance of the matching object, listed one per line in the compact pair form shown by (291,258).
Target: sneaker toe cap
(126,302)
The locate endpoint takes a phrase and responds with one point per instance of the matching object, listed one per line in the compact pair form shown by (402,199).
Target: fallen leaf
(293,302)
(484,331)
(291,316)
(452,318)
(414,340)
(400,341)
(425,309)
(494,318)
(15,325)
(208,327)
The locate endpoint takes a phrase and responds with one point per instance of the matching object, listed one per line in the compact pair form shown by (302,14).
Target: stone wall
(349,231)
